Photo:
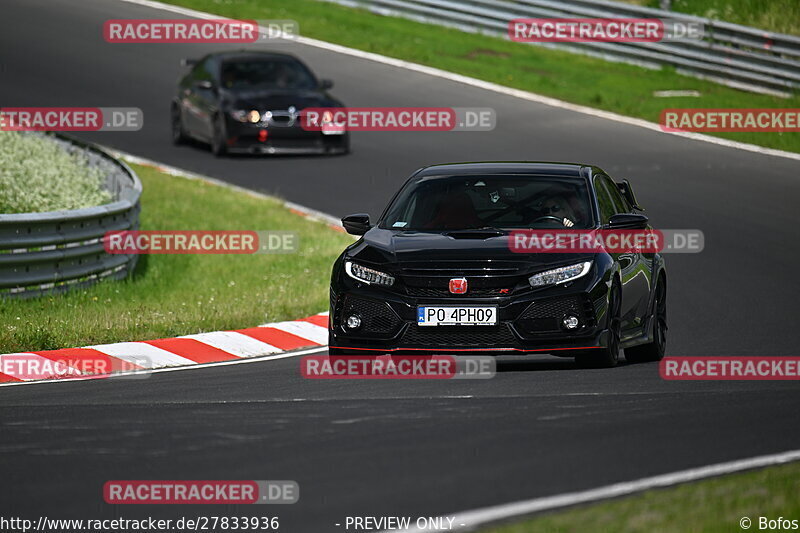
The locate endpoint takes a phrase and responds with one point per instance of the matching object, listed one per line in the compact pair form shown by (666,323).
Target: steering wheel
(548,218)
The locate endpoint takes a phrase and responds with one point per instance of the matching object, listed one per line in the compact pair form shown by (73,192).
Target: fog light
(353,322)
(262,135)
(571,322)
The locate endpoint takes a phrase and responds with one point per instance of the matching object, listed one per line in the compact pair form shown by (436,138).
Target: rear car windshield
(494,201)
(266,74)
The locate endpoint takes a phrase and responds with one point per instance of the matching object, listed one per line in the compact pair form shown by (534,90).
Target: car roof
(575,170)
(251,54)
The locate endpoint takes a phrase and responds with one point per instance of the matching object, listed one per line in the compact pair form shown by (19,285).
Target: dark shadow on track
(539,365)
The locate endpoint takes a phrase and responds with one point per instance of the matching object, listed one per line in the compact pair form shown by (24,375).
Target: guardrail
(735,55)
(58,250)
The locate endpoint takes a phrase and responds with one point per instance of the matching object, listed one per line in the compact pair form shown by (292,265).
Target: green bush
(37,175)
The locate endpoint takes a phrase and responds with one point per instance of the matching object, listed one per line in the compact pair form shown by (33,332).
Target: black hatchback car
(436,273)
(250,102)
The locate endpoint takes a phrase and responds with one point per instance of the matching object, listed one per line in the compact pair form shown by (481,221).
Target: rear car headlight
(241,115)
(560,275)
(367,275)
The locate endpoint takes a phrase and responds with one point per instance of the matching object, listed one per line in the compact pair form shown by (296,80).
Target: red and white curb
(200,348)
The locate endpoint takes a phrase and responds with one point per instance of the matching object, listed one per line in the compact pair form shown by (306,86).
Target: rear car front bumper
(248,138)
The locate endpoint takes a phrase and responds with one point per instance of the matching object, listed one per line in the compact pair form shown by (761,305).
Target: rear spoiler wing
(626,189)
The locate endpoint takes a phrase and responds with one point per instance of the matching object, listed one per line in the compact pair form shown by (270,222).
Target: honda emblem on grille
(458,285)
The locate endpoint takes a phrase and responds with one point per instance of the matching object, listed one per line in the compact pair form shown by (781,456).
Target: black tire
(653,351)
(607,356)
(178,133)
(219,146)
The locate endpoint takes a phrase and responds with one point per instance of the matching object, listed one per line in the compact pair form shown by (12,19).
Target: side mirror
(628,221)
(325,84)
(204,85)
(356,224)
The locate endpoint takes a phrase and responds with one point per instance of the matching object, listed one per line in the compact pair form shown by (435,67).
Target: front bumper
(528,323)
(246,138)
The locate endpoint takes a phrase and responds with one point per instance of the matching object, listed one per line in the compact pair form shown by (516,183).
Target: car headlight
(560,275)
(241,115)
(367,275)
(327,117)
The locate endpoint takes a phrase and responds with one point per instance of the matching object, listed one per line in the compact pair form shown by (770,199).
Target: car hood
(276,99)
(403,247)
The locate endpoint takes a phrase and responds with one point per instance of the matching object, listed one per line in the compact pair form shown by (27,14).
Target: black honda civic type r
(251,102)
(436,273)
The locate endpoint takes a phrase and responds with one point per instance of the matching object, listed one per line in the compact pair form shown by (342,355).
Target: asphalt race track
(541,427)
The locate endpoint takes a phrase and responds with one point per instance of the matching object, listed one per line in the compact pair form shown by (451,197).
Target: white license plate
(456,316)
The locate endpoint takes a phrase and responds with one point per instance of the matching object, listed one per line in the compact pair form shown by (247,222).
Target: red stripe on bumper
(546,350)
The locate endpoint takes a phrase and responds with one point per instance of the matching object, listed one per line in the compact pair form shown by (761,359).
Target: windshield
(261,74)
(498,201)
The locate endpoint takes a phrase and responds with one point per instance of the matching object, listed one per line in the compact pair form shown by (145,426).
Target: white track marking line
(139,374)
(19,365)
(479,517)
(466,80)
(306,330)
(234,343)
(142,354)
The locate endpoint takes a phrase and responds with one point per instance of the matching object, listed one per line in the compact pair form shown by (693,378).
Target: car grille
(436,292)
(378,319)
(282,118)
(484,278)
(545,315)
(457,336)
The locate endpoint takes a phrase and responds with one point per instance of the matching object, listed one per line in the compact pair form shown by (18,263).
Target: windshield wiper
(476,233)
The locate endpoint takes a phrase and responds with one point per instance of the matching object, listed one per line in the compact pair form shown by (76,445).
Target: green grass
(621,88)
(782,16)
(183,294)
(37,175)
(712,506)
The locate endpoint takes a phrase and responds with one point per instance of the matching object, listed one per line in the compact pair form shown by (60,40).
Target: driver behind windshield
(499,202)
(265,75)
(558,207)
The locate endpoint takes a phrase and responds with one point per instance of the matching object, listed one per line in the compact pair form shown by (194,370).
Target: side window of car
(203,71)
(604,201)
(620,205)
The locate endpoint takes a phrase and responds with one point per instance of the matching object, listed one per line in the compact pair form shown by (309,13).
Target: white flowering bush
(37,174)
